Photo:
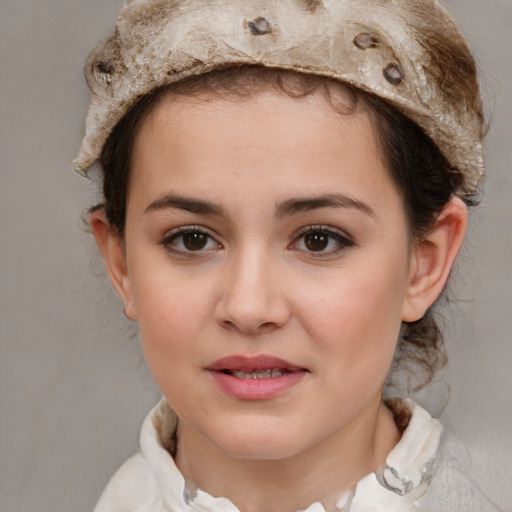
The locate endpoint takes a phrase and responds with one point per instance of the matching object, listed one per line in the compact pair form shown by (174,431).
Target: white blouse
(151,482)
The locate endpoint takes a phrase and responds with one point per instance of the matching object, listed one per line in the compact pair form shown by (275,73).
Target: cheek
(355,317)
(173,309)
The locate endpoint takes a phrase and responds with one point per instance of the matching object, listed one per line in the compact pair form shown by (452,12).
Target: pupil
(194,241)
(316,241)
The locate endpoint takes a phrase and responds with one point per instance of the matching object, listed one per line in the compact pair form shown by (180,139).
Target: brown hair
(420,172)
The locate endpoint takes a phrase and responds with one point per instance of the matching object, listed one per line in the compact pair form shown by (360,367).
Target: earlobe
(432,259)
(111,246)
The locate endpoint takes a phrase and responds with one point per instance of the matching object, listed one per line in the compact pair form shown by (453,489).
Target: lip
(252,363)
(255,389)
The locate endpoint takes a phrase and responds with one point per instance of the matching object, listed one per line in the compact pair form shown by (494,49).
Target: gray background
(73,387)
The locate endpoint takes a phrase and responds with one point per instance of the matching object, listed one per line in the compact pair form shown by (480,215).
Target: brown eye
(316,241)
(322,241)
(195,241)
(187,240)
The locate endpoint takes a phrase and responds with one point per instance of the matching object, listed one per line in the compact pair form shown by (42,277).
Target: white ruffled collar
(395,487)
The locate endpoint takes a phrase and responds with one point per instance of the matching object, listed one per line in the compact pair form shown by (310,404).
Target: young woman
(286,188)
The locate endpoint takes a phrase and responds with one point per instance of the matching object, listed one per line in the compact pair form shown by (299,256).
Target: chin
(260,451)
(260,443)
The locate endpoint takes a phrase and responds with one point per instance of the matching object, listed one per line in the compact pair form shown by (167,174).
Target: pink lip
(251,363)
(255,389)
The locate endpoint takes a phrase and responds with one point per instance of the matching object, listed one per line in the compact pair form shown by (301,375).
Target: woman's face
(268,260)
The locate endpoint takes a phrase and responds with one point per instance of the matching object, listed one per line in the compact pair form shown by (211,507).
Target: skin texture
(256,287)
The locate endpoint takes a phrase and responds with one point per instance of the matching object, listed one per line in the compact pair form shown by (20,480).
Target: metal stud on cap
(380,46)
(365,41)
(394,74)
(260,26)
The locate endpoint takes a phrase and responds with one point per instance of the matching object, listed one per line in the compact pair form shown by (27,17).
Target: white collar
(395,487)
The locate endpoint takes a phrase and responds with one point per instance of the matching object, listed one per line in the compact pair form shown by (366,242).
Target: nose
(253,296)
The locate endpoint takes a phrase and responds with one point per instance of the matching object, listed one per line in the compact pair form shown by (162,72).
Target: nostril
(249,300)
(248,327)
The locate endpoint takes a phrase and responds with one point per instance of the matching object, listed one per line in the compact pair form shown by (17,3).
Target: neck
(319,474)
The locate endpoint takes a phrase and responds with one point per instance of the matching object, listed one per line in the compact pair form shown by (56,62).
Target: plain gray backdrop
(73,387)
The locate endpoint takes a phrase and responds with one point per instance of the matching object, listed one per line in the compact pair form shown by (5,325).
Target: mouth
(255,377)
(258,374)
(254,367)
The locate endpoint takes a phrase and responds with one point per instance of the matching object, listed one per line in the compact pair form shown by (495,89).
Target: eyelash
(180,232)
(342,240)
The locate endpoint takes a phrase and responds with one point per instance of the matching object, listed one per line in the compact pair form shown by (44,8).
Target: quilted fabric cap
(408,52)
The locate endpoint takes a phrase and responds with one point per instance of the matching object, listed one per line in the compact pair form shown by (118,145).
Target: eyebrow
(291,206)
(198,206)
(305,204)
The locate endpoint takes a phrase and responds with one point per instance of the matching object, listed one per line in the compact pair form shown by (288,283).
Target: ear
(111,246)
(432,259)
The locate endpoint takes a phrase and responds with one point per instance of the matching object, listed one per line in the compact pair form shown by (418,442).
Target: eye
(187,239)
(321,240)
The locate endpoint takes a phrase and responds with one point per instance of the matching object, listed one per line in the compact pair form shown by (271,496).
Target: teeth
(259,374)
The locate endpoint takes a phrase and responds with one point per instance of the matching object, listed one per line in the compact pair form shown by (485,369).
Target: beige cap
(408,52)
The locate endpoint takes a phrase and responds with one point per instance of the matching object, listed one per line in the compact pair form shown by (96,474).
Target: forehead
(310,144)
(311,115)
